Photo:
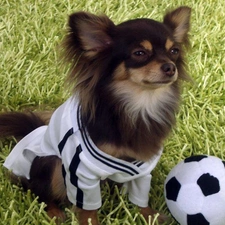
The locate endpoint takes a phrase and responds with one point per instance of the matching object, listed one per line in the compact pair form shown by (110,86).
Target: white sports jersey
(84,165)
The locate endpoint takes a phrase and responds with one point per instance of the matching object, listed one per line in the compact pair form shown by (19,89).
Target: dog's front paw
(54,211)
(86,217)
(147,211)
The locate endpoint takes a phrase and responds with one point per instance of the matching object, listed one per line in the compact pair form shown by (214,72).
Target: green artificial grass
(31,76)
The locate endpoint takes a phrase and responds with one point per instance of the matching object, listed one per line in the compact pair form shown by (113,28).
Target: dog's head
(140,55)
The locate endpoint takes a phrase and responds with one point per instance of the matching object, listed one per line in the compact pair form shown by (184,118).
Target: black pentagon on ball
(172,189)
(197,219)
(209,184)
(195,158)
(223,163)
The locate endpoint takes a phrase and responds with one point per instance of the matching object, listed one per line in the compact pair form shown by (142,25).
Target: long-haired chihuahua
(126,91)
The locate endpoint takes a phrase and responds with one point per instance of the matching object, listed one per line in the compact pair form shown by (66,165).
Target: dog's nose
(169,69)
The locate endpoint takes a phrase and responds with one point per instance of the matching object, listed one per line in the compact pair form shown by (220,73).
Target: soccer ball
(195,191)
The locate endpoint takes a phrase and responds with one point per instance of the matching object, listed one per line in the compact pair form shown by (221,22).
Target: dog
(126,86)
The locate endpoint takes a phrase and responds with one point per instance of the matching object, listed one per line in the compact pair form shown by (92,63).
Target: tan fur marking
(147,45)
(85,215)
(147,211)
(120,72)
(53,210)
(148,75)
(150,72)
(169,44)
(58,186)
(121,152)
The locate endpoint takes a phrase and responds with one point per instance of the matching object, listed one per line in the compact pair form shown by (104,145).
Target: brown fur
(19,124)
(127,78)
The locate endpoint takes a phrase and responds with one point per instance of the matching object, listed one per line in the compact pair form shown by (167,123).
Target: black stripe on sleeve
(73,177)
(138,163)
(64,174)
(64,140)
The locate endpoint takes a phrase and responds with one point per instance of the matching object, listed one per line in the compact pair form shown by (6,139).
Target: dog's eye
(174,51)
(139,53)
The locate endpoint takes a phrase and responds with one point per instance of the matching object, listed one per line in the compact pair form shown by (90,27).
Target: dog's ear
(92,33)
(179,21)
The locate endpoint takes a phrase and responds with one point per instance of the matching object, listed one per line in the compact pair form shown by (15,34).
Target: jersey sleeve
(82,184)
(83,189)
(138,190)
